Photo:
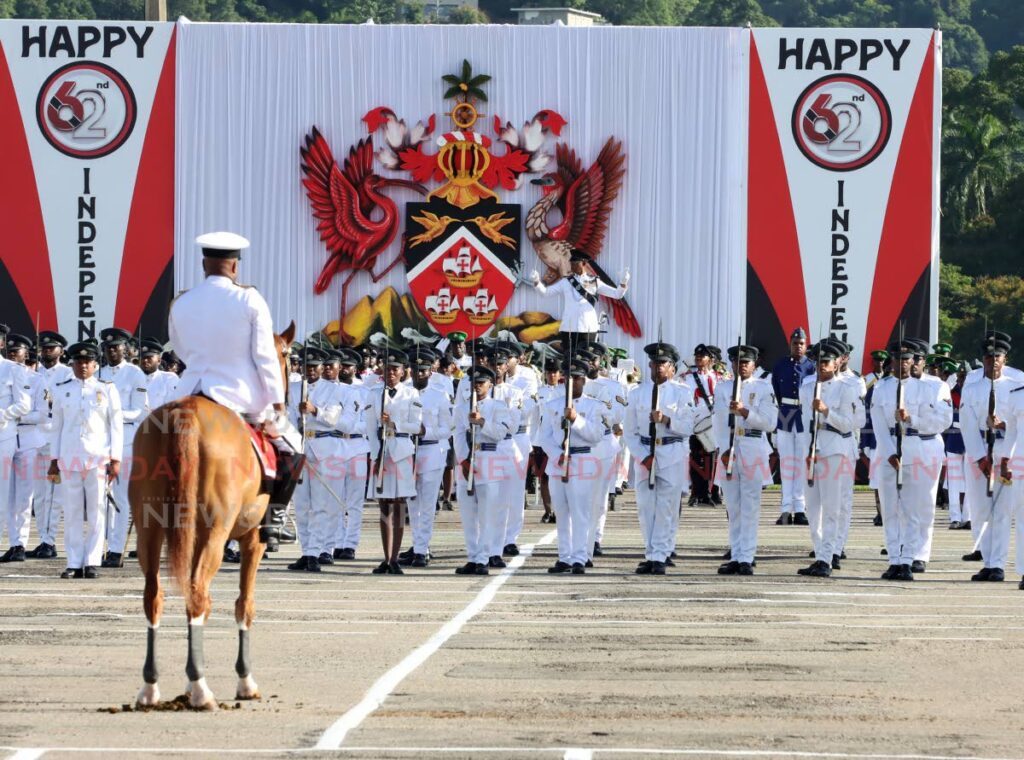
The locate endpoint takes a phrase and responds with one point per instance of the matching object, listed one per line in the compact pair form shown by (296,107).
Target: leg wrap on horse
(195,665)
(149,673)
(242,666)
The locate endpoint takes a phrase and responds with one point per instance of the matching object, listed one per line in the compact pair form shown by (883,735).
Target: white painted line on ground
(28,754)
(335,735)
(944,638)
(576,753)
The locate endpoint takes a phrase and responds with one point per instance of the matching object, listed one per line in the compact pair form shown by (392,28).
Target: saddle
(266,452)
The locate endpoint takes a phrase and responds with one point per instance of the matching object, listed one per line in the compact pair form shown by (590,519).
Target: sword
(316,474)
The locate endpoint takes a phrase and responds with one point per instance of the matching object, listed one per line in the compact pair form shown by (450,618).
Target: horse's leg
(204,567)
(150,542)
(245,611)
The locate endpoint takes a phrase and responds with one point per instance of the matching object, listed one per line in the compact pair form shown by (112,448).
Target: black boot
(289,470)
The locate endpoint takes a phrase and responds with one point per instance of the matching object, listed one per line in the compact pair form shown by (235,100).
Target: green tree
(728,13)
(978,163)
(467,15)
(1000,22)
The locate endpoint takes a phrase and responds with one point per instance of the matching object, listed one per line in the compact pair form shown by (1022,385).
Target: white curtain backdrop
(677,98)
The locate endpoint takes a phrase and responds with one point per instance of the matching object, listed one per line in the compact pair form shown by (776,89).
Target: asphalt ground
(525,664)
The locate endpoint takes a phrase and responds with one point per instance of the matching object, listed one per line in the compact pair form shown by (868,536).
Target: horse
(196,484)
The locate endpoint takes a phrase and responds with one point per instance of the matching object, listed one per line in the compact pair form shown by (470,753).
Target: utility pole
(156,10)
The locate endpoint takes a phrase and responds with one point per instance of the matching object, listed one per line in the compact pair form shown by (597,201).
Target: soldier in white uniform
(160,384)
(580,427)
(827,405)
(131,387)
(236,368)
(921,417)
(354,455)
(853,442)
(672,423)
(524,378)
(396,415)
(992,513)
(481,451)
(318,415)
(46,502)
(517,447)
(431,457)
(19,466)
(579,293)
(551,388)
(1012,466)
(612,396)
(746,423)
(88,436)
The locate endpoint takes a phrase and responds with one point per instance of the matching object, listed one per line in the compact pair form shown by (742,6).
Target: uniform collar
(220,281)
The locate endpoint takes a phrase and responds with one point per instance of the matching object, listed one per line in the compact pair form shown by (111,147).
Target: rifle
(568,405)
(382,429)
(303,398)
(471,478)
(812,450)
(652,428)
(990,434)
(899,422)
(736,382)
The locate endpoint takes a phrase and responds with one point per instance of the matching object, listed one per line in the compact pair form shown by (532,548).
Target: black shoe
(820,569)
(644,568)
(286,536)
(891,573)
(407,554)
(313,565)
(446,505)
(554,518)
(299,564)
(496,562)
(877,521)
(997,575)
(669,562)
(917,566)
(133,554)
(1021,584)
(598,551)
(974,556)
(468,569)
(800,519)
(657,568)
(954,525)
(112,559)
(347,554)
(395,569)
(545,518)
(904,573)
(40,552)
(811,554)
(420,560)
(531,484)
(729,568)
(337,554)
(835,562)
(90,572)
(325,559)
(481,569)
(692,501)
(745,568)
(560,567)
(588,564)
(618,490)
(611,502)
(14,554)
(577,568)
(982,575)
(885,552)
(273,545)
(381,569)
(673,555)
(728,554)
(510,550)
(842,555)
(806,570)
(73,573)
(716,496)
(230,555)
(785,519)
(966,525)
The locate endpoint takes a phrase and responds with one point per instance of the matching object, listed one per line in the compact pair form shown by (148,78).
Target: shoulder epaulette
(65,382)
(1018,388)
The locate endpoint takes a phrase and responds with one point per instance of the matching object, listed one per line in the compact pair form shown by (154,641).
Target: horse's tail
(184,463)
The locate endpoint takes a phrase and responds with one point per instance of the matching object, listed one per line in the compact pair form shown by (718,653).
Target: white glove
(535,277)
(624,277)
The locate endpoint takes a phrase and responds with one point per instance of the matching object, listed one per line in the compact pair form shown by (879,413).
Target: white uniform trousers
(319,510)
(603,483)
(992,513)
(302,503)
(926,517)
(481,518)
(349,528)
(514,502)
(7,451)
(792,470)
(422,509)
(955,485)
(824,505)
(45,500)
(121,517)
(846,480)
(743,506)
(1018,516)
(658,511)
(84,518)
(23,486)
(573,505)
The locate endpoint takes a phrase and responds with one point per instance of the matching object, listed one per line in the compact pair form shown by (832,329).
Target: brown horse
(196,484)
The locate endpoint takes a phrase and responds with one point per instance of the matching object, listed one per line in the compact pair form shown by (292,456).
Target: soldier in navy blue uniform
(879,363)
(787,375)
(959,515)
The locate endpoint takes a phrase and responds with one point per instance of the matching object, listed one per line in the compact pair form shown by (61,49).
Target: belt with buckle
(645,441)
(579,449)
(751,433)
(790,401)
(831,429)
(913,433)
(487,447)
(428,443)
(999,434)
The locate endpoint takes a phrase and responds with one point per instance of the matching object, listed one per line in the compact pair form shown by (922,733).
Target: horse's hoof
(149,695)
(247,689)
(200,697)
